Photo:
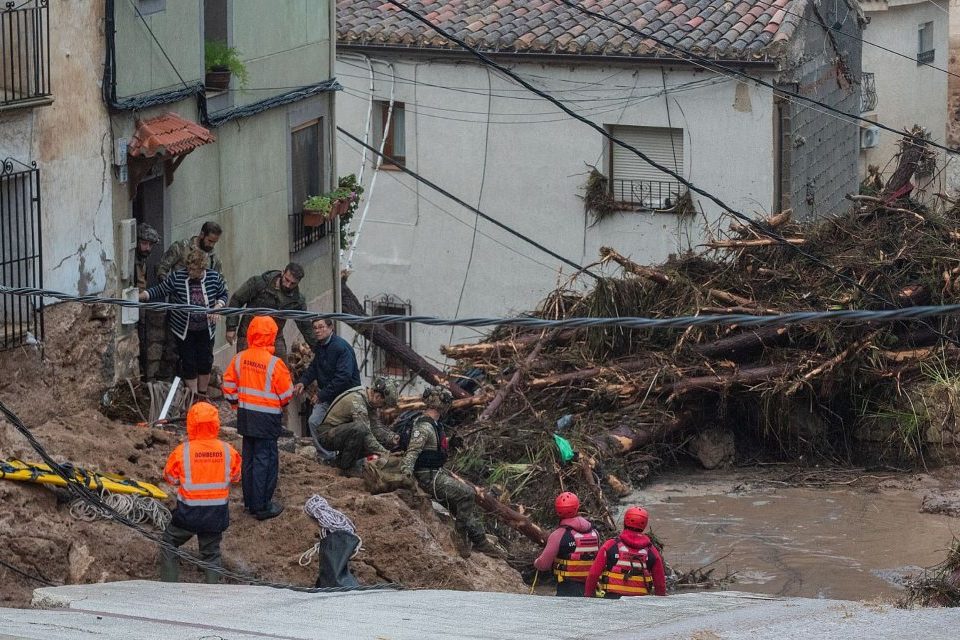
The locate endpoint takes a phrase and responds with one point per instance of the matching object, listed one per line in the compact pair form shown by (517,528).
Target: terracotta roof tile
(732,29)
(166,136)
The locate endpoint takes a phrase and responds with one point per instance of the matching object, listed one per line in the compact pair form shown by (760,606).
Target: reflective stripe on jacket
(206,474)
(575,554)
(627,572)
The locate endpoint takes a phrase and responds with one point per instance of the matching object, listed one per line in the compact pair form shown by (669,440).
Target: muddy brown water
(843,543)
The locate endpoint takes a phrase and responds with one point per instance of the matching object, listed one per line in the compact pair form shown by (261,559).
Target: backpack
(403,427)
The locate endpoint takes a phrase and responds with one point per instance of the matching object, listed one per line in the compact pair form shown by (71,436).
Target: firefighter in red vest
(571,548)
(202,469)
(628,565)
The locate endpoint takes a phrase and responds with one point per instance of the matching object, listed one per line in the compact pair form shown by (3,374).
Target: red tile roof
(166,136)
(737,29)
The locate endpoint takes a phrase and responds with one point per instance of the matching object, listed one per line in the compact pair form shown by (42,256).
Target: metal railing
(302,236)
(926,57)
(21,258)
(647,194)
(868,92)
(25,48)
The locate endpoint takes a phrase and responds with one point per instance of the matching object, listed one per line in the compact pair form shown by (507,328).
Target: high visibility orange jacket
(257,383)
(202,469)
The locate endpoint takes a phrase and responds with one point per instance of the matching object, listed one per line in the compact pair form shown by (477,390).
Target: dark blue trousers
(261,465)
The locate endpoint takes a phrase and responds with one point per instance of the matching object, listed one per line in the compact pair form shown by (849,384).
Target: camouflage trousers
(458,498)
(351,441)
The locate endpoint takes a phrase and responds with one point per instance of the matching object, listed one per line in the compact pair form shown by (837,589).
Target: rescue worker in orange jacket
(628,565)
(257,384)
(571,548)
(202,469)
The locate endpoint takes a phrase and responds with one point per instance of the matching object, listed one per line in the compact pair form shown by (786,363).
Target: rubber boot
(211,577)
(169,568)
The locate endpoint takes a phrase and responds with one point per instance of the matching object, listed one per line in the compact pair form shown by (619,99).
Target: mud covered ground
(404,539)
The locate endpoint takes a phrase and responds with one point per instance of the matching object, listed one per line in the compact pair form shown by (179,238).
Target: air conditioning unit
(127,247)
(869,137)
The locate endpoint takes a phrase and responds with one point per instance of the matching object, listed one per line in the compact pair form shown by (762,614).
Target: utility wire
(761,228)
(470,207)
(162,50)
(27,575)
(80,490)
(529,322)
(712,65)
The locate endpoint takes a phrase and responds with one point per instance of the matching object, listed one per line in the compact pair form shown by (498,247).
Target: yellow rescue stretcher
(40,473)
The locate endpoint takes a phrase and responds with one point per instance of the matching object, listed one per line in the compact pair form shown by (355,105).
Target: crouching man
(352,426)
(202,469)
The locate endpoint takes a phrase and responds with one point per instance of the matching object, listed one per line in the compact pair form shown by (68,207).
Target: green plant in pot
(348,184)
(316,209)
(220,62)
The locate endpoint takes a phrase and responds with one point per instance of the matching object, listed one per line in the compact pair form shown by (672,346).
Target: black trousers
(570,589)
(261,466)
(208,543)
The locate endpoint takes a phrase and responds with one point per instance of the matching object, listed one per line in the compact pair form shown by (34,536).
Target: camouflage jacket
(352,406)
(262,291)
(423,438)
(175,257)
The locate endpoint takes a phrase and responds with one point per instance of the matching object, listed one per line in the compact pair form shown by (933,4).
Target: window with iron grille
(383,362)
(306,166)
(396,144)
(925,48)
(21,261)
(635,182)
(868,92)
(25,46)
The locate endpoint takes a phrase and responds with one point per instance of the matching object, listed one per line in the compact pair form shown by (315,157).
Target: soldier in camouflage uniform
(423,462)
(352,427)
(175,257)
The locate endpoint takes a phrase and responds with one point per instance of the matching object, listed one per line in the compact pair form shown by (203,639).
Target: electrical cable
(25,574)
(400,166)
(761,228)
(80,490)
(712,65)
(530,322)
(162,50)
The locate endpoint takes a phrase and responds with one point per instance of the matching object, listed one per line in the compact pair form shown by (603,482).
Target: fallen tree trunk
(752,375)
(378,335)
(774,221)
(520,343)
(607,254)
(586,374)
(503,392)
(624,439)
(509,515)
(414,403)
(757,242)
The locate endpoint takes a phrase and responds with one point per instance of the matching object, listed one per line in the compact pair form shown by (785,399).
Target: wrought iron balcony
(21,260)
(868,92)
(25,48)
(647,194)
(302,236)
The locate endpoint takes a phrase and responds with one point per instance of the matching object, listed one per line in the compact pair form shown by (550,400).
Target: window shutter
(657,143)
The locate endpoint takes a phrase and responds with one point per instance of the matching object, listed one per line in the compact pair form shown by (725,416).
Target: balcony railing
(926,57)
(21,261)
(25,49)
(647,194)
(302,236)
(868,92)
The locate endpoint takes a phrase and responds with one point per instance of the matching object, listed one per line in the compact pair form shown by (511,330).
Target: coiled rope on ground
(328,519)
(137,509)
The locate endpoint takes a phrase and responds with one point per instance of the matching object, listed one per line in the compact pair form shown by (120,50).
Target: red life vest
(575,555)
(628,571)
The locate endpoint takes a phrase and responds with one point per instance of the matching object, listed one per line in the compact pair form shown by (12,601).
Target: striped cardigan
(177,287)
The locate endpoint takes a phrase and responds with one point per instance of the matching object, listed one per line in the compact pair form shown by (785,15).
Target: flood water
(843,543)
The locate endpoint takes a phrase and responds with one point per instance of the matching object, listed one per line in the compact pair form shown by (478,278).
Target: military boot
(169,568)
(490,546)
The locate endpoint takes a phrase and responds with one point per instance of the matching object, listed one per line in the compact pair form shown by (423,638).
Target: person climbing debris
(202,469)
(352,426)
(425,452)
(258,385)
(571,547)
(629,564)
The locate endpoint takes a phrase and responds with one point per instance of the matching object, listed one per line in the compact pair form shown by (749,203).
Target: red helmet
(567,505)
(635,518)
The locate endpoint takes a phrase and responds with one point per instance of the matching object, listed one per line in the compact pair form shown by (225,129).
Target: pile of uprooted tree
(638,397)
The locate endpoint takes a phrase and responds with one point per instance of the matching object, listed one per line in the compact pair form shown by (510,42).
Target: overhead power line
(527,322)
(711,64)
(763,229)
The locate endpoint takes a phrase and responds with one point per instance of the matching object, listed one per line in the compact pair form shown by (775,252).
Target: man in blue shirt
(334,368)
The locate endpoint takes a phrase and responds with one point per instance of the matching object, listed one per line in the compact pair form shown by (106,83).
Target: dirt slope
(404,540)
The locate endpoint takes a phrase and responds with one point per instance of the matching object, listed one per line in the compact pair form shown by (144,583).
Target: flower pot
(313,218)
(217,80)
(339,208)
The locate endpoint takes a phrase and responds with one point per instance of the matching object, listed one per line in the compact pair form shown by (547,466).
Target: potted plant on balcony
(316,210)
(220,62)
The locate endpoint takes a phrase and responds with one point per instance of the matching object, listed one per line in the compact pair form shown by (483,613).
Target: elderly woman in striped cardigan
(196,285)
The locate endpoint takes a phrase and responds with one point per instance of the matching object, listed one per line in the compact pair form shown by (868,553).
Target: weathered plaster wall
(527,168)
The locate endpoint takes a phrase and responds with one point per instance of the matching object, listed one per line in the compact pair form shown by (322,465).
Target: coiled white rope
(139,509)
(329,519)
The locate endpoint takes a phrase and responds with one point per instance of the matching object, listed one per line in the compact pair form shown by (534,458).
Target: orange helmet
(635,518)
(567,505)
